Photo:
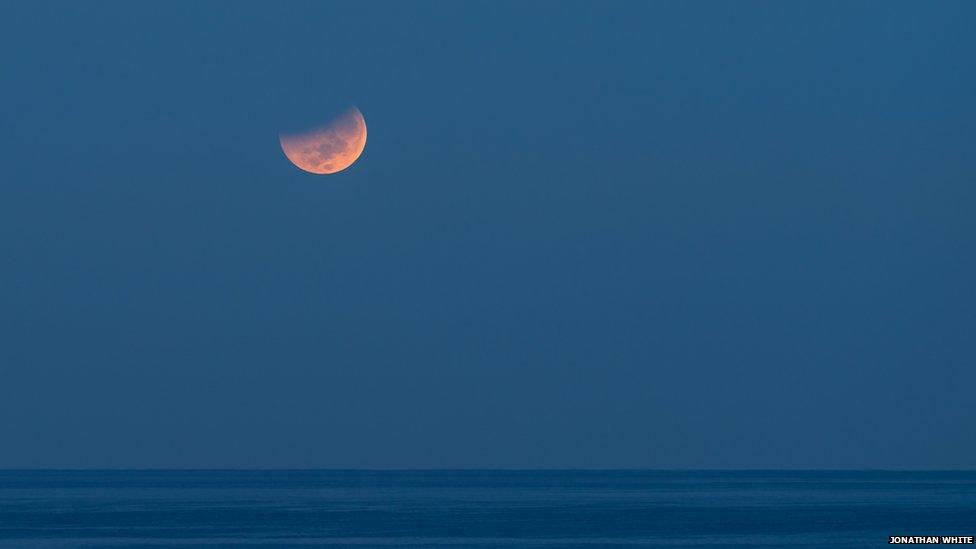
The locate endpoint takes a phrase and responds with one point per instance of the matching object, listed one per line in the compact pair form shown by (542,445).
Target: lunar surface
(330,148)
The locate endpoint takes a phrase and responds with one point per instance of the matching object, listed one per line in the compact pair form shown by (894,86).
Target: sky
(582,235)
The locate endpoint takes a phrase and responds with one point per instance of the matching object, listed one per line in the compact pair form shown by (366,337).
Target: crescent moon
(330,148)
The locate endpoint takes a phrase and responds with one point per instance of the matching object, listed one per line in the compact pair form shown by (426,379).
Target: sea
(480,508)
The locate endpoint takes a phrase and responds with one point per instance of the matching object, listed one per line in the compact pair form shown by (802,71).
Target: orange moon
(330,148)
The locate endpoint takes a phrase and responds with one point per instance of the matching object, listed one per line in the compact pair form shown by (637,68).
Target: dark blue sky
(582,234)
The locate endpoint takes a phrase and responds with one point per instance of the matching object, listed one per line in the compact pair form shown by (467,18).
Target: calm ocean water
(480,508)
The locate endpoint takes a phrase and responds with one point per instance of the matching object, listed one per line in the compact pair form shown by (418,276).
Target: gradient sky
(582,234)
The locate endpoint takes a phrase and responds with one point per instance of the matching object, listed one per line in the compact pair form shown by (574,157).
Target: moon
(330,148)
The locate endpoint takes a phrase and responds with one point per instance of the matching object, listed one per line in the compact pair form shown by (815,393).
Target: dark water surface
(480,508)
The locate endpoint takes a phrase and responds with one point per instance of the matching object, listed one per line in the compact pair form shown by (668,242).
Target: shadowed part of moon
(330,148)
